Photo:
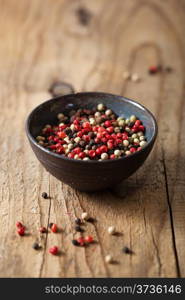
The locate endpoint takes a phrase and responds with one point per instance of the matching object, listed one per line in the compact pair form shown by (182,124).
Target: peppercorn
(19,224)
(111,230)
(54,228)
(78,229)
(126,250)
(43,229)
(85,216)
(21,231)
(75,243)
(53,250)
(44,195)
(36,246)
(108,258)
(88,239)
(81,241)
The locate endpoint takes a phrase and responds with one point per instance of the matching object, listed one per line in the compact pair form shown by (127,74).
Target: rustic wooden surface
(44,41)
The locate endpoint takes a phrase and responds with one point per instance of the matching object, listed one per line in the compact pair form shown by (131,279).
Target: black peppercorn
(78,221)
(75,243)
(78,229)
(36,246)
(126,250)
(50,225)
(44,195)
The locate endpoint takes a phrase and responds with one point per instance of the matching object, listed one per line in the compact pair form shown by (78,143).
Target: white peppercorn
(125,143)
(104,156)
(100,107)
(108,112)
(111,230)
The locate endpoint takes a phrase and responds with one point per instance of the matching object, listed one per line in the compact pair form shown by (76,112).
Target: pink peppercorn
(19,224)
(88,239)
(132,150)
(21,231)
(82,155)
(92,153)
(53,250)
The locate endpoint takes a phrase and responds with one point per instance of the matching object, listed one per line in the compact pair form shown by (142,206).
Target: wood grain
(46,41)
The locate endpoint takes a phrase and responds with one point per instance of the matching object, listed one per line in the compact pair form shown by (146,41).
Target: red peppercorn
(54,228)
(89,239)
(61,134)
(119,135)
(86,138)
(110,145)
(137,123)
(71,155)
(107,123)
(86,125)
(53,147)
(141,127)
(19,224)
(119,141)
(112,156)
(60,150)
(110,129)
(98,151)
(43,229)
(76,122)
(99,135)
(139,148)
(101,129)
(153,69)
(77,150)
(56,139)
(82,155)
(103,149)
(21,231)
(132,150)
(53,250)
(92,153)
(81,241)
(50,138)
(104,140)
(79,134)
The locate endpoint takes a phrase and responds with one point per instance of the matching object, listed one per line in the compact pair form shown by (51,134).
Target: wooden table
(90,44)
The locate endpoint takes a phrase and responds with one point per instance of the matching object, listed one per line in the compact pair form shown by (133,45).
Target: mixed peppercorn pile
(97,134)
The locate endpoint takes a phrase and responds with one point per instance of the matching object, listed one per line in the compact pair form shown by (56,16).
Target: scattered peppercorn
(81,241)
(108,258)
(36,246)
(43,229)
(75,243)
(44,195)
(78,221)
(54,228)
(21,231)
(97,134)
(111,230)
(85,216)
(78,229)
(126,250)
(53,250)
(19,224)
(88,239)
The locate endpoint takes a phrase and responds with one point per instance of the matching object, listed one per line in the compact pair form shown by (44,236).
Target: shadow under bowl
(89,175)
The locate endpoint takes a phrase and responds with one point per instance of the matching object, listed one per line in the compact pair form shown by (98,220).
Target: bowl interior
(46,112)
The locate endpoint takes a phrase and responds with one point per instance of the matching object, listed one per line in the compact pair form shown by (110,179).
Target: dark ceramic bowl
(89,175)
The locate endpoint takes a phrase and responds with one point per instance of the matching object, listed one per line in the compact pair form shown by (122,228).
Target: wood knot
(84,16)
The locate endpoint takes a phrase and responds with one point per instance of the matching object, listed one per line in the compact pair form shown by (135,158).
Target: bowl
(89,176)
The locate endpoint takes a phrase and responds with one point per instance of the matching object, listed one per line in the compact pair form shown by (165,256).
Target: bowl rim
(32,139)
